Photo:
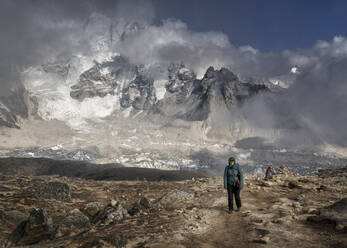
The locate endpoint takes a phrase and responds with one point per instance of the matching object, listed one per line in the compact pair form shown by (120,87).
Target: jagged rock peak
(225,73)
(104,78)
(179,75)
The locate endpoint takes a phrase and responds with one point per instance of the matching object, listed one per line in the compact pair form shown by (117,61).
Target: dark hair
(231,159)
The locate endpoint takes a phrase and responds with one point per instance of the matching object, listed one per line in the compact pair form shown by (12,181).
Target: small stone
(339,227)
(263,240)
(113,203)
(144,202)
(296,205)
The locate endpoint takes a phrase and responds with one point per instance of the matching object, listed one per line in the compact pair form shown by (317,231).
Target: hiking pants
(232,190)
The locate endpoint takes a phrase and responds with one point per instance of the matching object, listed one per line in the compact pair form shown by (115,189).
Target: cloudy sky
(255,38)
(271,25)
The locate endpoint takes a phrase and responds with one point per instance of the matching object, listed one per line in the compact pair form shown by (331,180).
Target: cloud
(34,32)
(311,111)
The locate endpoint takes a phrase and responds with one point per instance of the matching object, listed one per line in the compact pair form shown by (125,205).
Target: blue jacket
(232,174)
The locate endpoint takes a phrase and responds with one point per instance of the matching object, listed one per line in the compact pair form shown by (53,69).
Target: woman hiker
(233,182)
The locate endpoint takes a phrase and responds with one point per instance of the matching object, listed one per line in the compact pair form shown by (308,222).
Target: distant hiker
(233,182)
(270,172)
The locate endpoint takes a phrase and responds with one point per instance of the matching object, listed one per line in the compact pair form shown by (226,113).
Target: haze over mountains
(156,95)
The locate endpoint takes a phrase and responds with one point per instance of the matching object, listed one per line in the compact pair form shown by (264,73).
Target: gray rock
(144,202)
(51,190)
(116,240)
(174,196)
(111,214)
(284,171)
(336,213)
(135,208)
(94,208)
(75,220)
(38,227)
(263,240)
(140,206)
(339,207)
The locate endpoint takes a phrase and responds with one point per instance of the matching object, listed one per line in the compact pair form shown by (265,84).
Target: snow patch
(160,89)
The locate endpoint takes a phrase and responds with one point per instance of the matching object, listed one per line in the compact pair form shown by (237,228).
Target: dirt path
(226,230)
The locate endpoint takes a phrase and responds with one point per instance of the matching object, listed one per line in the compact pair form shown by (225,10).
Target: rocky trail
(289,211)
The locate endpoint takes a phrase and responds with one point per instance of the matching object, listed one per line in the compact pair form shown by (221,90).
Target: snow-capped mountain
(118,86)
(100,83)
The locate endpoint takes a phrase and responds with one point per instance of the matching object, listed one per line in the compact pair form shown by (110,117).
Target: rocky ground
(59,211)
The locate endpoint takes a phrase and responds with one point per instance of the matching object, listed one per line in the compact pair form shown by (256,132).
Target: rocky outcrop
(335,213)
(173,199)
(76,221)
(93,83)
(51,190)
(139,94)
(181,82)
(104,79)
(111,213)
(192,99)
(92,209)
(120,78)
(140,206)
(38,227)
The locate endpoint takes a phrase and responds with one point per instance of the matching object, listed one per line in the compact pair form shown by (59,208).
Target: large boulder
(140,206)
(74,222)
(51,190)
(38,227)
(175,195)
(94,208)
(283,170)
(173,199)
(336,213)
(112,213)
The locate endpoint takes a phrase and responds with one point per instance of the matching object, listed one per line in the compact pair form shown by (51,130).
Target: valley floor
(189,213)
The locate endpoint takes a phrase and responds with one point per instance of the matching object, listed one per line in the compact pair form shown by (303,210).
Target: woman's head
(231,161)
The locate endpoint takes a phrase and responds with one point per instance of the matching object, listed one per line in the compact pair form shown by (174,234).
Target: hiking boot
(238,210)
(230,211)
